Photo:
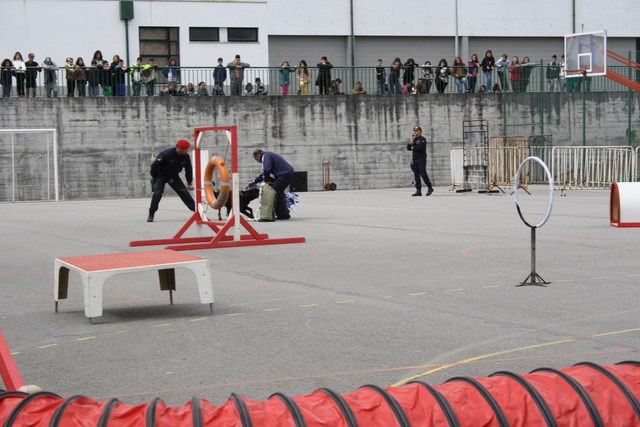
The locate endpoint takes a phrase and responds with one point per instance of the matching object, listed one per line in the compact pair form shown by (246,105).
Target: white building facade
(348,32)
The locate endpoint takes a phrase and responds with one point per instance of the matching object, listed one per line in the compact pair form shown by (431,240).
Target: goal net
(28,165)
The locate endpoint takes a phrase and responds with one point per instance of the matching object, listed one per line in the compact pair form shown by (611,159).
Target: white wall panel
(369,49)
(61,28)
(311,49)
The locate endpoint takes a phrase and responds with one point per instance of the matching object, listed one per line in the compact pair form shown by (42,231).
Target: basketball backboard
(585,52)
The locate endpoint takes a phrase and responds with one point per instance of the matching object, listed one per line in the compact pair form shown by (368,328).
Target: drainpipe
(126,38)
(353,46)
(542,72)
(457,35)
(573,7)
(126,14)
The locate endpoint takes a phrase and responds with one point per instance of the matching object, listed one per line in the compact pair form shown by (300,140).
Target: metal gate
(505,155)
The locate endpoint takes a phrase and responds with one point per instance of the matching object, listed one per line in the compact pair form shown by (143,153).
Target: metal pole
(533,255)
(55,164)
(584,108)
(353,47)
(13,166)
(629,105)
(48,170)
(457,35)
(126,37)
(542,71)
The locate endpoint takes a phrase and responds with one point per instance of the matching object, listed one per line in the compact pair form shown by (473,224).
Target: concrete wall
(107,144)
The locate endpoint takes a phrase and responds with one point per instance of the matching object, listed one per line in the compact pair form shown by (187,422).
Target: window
(242,34)
(204,34)
(159,43)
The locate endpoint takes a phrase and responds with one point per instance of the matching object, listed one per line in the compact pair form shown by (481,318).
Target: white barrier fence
(456,159)
(572,167)
(591,167)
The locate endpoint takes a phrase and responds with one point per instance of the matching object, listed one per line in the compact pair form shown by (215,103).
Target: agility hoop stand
(8,369)
(234,222)
(533,278)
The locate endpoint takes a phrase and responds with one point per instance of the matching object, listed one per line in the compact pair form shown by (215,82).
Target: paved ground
(386,288)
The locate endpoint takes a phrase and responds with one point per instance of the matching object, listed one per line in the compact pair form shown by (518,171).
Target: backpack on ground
(267,203)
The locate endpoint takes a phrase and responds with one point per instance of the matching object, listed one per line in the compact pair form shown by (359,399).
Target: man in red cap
(165,170)
(418,146)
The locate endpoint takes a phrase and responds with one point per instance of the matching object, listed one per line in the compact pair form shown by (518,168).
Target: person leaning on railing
(323,81)
(149,76)
(94,78)
(171,72)
(236,71)
(284,73)
(136,76)
(33,68)
(303,78)
(70,76)
(6,77)
(50,75)
(18,64)
(553,74)
(81,77)
(459,73)
(219,73)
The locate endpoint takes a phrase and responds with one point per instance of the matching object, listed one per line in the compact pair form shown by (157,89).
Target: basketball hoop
(575,73)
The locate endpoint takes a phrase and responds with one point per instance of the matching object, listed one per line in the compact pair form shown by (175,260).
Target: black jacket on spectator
(94,76)
(106,78)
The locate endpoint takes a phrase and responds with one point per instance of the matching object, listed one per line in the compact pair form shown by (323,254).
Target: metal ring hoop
(516,185)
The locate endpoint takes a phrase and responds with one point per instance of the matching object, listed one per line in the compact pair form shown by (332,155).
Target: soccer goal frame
(52,151)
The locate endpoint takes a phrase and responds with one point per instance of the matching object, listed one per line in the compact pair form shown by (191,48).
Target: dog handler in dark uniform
(165,170)
(418,146)
(275,165)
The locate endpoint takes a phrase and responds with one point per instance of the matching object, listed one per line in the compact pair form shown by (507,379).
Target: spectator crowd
(112,78)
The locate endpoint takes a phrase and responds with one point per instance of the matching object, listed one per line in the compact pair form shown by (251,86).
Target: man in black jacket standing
(418,146)
(165,170)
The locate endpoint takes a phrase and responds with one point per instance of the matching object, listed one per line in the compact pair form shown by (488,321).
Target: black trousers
(280,184)
(419,168)
(71,87)
(178,186)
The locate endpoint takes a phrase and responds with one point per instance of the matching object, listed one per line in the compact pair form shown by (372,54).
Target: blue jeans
(394,86)
(137,88)
(488,76)
(94,89)
(461,84)
(380,87)
(121,89)
(151,88)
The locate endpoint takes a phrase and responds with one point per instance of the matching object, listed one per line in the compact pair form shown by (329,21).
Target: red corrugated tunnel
(582,395)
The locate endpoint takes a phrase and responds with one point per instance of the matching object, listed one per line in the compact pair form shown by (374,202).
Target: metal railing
(348,77)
